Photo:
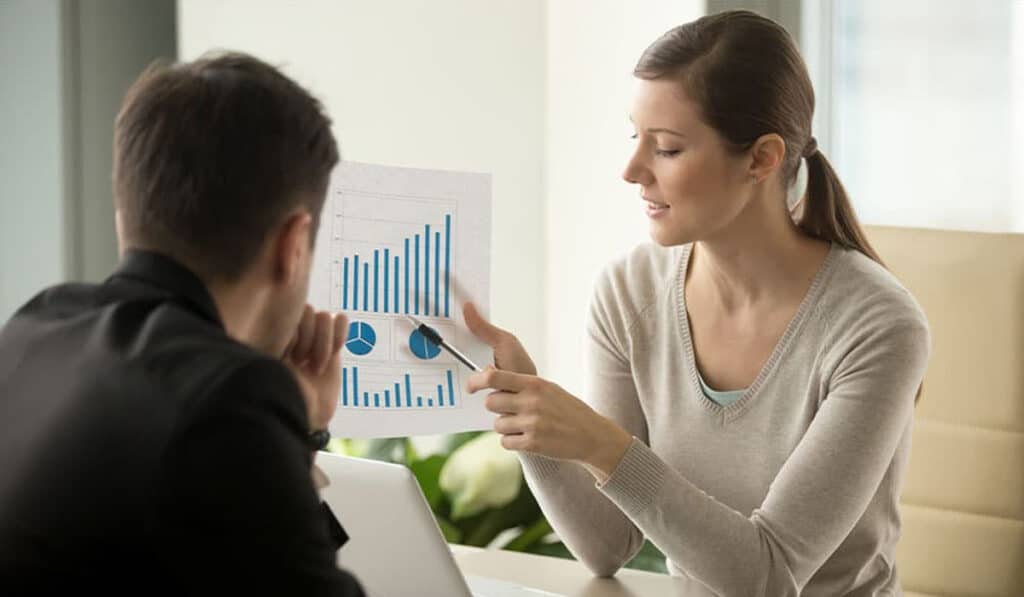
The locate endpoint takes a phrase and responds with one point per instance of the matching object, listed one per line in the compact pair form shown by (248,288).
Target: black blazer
(142,450)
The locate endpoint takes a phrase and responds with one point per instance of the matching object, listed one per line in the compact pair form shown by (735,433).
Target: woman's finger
(503,403)
(516,442)
(496,379)
(489,333)
(508,424)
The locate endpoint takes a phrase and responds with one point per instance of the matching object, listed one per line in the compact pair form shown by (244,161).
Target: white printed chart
(398,241)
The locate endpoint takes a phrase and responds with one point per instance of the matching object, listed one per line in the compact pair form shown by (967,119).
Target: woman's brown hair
(745,73)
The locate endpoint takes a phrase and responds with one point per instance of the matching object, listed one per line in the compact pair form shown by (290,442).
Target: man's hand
(312,355)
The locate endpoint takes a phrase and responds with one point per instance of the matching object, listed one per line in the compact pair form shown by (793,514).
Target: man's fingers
(323,341)
(291,346)
(489,333)
(304,336)
(340,332)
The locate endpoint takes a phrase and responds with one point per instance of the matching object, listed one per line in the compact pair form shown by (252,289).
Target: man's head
(223,165)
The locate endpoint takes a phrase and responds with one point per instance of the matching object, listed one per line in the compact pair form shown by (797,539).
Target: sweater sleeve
(594,529)
(818,495)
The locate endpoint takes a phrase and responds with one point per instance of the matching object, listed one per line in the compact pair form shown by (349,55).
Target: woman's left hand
(538,416)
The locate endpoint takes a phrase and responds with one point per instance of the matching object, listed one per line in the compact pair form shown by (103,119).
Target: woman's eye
(666,153)
(634,136)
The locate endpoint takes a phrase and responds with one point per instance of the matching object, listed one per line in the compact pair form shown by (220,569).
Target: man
(157,430)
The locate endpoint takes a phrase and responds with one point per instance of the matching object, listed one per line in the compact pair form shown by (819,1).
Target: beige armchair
(963,504)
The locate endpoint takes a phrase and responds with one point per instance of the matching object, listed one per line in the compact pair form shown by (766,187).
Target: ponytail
(827,213)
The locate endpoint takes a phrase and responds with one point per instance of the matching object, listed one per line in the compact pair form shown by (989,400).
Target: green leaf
(451,533)
(555,550)
(455,440)
(410,453)
(482,528)
(648,558)
(388,449)
(530,535)
(428,473)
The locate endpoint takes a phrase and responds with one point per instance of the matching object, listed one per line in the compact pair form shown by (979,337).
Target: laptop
(395,547)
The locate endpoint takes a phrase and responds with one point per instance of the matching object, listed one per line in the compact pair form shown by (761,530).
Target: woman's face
(692,186)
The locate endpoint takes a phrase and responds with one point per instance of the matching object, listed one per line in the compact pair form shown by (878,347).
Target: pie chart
(361,338)
(421,347)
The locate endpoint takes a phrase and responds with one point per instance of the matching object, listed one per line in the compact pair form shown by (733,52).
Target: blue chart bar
(451,389)
(372,397)
(426,275)
(426,269)
(366,287)
(447,258)
(406,275)
(416,276)
(376,278)
(344,287)
(355,283)
(437,271)
(386,260)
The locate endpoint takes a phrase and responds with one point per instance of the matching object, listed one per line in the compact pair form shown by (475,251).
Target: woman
(752,374)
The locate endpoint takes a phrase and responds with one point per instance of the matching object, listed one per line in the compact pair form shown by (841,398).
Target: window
(921,108)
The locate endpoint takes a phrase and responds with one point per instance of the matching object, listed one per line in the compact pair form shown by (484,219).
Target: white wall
(448,84)
(63,69)
(535,92)
(114,40)
(591,214)
(31,146)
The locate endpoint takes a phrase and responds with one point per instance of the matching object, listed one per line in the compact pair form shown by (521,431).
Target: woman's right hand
(509,354)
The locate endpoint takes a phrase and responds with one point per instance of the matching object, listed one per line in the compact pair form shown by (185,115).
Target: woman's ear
(292,245)
(767,155)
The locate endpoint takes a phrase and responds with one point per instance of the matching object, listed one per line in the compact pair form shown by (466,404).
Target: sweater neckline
(732,411)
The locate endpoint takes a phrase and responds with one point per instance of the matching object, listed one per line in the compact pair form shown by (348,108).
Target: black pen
(431,334)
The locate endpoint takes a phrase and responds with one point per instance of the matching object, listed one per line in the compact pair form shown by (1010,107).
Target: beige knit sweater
(793,489)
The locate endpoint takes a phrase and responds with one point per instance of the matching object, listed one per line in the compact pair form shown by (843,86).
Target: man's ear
(766,156)
(292,244)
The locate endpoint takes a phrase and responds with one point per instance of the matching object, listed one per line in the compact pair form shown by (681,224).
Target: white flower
(479,475)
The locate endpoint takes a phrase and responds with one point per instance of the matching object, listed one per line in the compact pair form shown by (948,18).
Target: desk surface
(567,576)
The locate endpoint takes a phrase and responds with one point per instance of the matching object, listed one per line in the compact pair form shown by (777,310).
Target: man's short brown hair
(210,155)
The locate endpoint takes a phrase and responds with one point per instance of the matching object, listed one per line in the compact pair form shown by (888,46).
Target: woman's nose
(635,172)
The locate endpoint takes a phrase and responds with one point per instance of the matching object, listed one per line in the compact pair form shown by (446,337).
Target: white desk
(567,576)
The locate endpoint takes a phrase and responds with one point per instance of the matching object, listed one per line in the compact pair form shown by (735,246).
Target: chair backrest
(963,503)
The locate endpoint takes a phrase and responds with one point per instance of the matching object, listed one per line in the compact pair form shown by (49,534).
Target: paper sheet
(394,241)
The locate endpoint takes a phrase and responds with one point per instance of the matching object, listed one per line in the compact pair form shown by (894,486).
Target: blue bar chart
(394,242)
(414,281)
(374,391)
